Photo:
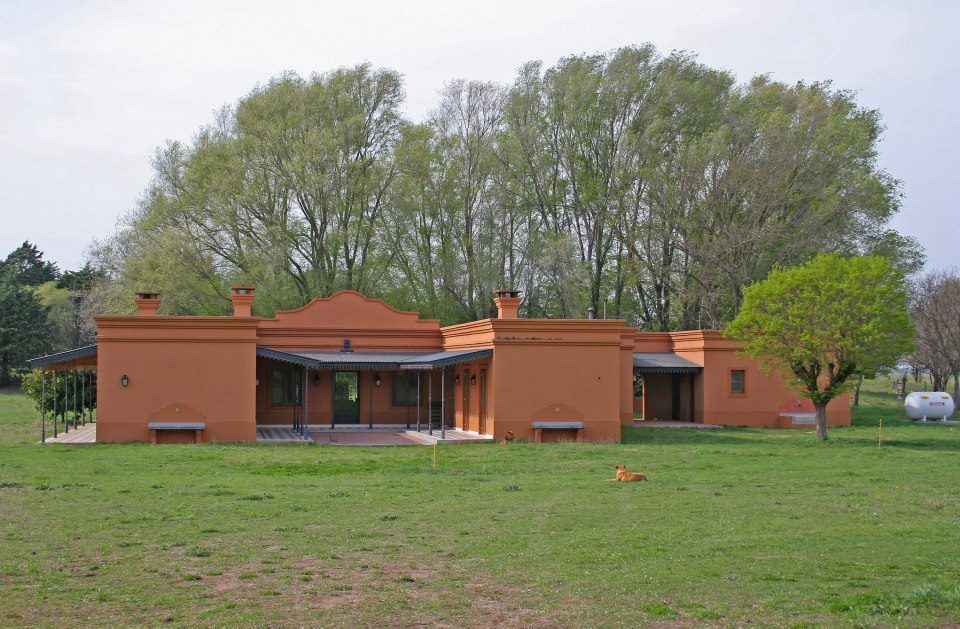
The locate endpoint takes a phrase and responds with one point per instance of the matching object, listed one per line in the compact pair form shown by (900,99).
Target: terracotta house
(348,362)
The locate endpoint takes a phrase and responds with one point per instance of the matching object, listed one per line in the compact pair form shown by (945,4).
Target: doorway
(346,397)
(676,398)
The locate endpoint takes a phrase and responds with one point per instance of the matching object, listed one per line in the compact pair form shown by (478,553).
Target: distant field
(736,526)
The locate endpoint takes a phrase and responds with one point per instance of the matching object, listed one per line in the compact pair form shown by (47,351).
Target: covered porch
(664,387)
(68,395)
(327,396)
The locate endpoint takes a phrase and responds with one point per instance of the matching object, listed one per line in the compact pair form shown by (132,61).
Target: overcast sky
(88,90)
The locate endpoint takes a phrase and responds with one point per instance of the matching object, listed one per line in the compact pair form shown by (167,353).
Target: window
(404,388)
(738,382)
(285,387)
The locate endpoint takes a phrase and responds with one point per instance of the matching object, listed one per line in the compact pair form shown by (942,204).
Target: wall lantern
(124,380)
(473,379)
(376,379)
(316,378)
(456,379)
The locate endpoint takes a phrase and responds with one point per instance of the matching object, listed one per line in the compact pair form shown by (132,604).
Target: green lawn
(735,526)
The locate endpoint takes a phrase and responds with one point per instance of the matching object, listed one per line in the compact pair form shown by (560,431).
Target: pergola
(78,388)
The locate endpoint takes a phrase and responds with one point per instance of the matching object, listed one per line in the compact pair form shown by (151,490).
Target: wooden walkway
(379,436)
(453,436)
(361,436)
(82,434)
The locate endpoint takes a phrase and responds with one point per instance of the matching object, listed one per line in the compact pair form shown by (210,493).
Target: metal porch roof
(663,362)
(445,359)
(373,360)
(63,357)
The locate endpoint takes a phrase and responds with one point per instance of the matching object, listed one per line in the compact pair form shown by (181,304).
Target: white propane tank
(928,405)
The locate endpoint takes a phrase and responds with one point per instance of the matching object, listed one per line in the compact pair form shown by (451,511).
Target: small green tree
(825,320)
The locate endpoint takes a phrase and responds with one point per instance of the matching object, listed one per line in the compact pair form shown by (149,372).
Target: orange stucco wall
(179,369)
(765,393)
(206,369)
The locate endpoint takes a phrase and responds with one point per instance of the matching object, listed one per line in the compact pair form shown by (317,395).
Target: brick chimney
(147,303)
(242,298)
(508,303)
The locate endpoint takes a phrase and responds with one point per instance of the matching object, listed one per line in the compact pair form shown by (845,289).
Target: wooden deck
(379,435)
(453,436)
(82,434)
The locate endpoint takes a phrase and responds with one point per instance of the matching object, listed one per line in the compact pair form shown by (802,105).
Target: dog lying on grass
(624,476)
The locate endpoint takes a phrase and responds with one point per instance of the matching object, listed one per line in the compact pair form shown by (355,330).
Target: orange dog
(624,476)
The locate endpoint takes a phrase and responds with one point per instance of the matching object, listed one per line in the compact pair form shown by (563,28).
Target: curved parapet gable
(347,314)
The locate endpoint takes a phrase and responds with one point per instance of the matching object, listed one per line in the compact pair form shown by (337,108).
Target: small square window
(738,382)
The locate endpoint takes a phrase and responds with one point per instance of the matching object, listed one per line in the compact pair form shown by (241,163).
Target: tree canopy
(822,321)
(23,326)
(651,187)
(25,266)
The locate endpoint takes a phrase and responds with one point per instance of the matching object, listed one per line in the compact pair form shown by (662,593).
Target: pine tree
(23,327)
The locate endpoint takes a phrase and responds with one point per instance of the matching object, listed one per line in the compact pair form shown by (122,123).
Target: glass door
(346,397)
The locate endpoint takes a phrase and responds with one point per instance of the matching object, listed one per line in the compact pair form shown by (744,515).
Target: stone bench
(539,427)
(801,419)
(196,427)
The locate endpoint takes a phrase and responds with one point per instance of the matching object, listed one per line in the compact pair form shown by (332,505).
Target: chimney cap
(507,292)
(242,289)
(148,294)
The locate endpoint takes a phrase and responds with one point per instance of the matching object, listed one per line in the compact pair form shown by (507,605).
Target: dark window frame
(290,386)
(743,383)
(396,389)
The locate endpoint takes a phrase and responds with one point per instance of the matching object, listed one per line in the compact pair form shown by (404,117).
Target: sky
(89,90)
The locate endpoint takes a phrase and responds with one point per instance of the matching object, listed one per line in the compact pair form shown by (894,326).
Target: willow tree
(822,321)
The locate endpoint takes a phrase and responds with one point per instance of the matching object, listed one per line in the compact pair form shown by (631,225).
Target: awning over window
(663,362)
(373,360)
(63,358)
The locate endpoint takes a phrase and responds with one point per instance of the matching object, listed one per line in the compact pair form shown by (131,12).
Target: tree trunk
(856,390)
(956,387)
(821,421)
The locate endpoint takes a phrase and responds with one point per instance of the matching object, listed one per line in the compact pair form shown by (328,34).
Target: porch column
(418,401)
(430,403)
(306,402)
(443,403)
(66,397)
(74,399)
(53,411)
(43,406)
(370,403)
(406,393)
(83,398)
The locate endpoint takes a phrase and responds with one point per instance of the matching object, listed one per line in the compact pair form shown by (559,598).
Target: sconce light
(316,379)
(473,379)
(257,382)
(456,378)
(124,380)
(376,379)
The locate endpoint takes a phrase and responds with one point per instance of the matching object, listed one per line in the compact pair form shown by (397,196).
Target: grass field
(736,526)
